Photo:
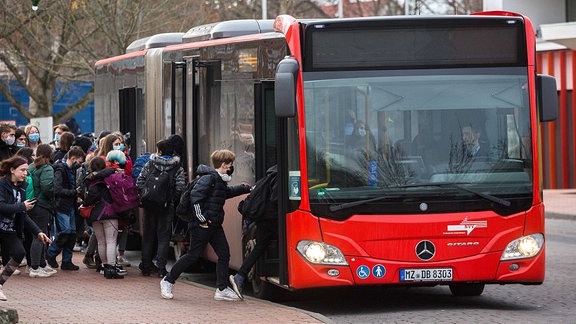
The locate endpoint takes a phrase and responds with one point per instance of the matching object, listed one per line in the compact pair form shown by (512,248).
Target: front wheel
(467,289)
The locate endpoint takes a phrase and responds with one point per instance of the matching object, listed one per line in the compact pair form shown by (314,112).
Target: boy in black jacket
(207,198)
(66,205)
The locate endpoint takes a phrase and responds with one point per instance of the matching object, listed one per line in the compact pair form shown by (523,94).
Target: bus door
(265,134)
(178,105)
(132,118)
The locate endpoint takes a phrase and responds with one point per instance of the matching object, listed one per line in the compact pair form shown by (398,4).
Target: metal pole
(264,9)
(341,9)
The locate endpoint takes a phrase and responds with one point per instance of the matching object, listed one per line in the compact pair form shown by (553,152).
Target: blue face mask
(119,147)
(56,137)
(34,138)
(349,129)
(20,144)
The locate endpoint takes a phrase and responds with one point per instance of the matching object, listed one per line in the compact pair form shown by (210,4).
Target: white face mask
(10,140)
(225,177)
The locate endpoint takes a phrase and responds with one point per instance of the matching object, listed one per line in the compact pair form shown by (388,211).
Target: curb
(552,215)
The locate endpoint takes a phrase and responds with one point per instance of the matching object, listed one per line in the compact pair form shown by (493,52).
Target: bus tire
(467,289)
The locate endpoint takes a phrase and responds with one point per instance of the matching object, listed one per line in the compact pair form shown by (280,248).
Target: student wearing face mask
(207,199)
(58,130)
(121,145)
(20,138)
(33,138)
(67,201)
(7,140)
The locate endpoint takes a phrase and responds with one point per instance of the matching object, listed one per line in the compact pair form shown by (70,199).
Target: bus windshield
(399,136)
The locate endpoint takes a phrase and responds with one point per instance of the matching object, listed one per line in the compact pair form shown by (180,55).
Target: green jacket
(43,181)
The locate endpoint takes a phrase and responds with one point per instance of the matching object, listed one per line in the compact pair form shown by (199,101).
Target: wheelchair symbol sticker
(378,271)
(363,272)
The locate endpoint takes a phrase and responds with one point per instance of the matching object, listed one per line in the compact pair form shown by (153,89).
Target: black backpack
(184,208)
(157,191)
(253,207)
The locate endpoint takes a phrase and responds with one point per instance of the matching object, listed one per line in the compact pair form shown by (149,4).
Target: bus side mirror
(285,87)
(547,97)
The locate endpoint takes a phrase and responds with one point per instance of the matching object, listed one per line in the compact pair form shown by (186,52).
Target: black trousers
(199,238)
(266,231)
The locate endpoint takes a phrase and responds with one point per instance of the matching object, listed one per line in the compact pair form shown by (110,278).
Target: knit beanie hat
(116,156)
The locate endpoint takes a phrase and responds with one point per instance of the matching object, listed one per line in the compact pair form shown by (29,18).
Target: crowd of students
(43,188)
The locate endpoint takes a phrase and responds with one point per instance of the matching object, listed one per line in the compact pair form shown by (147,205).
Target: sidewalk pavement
(560,203)
(86,297)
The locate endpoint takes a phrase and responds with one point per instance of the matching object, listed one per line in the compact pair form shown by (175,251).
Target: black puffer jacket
(11,209)
(97,194)
(271,212)
(64,188)
(6,150)
(209,195)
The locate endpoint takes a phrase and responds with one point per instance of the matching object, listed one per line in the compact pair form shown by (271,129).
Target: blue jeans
(65,236)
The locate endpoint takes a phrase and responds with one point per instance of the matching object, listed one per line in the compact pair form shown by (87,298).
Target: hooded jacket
(43,182)
(97,193)
(209,195)
(163,163)
(12,206)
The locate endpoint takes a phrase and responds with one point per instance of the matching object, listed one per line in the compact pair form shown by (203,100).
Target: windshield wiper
(338,207)
(457,185)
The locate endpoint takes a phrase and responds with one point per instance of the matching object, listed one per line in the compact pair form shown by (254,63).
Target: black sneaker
(69,266)
(51,261)
(145,270)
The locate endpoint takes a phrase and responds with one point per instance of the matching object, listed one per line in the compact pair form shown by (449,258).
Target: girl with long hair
(13,205)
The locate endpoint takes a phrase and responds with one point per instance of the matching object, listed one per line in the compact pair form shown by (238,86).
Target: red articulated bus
(407,147)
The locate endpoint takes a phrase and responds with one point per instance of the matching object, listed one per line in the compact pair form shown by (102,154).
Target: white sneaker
(226,294)
(23,262)
(49,269)
(77,248)
(2,296)
(166,289)
(16,272)
(39,273)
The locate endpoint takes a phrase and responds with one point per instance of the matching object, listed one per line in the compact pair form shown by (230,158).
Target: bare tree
(61,41)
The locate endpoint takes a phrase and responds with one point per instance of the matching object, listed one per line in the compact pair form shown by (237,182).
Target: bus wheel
(467,289)
(264,290)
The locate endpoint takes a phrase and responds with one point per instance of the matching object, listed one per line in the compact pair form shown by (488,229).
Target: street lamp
(35,4)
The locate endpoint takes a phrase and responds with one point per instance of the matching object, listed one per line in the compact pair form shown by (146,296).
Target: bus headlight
(321,253)
(524,247)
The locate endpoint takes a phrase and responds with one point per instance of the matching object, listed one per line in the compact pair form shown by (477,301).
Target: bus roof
(155,41)
(227,29)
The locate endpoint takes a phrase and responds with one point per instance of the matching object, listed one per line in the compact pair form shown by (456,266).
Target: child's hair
(76,151)
(106,145)
(26,152)
(42,151)
(166,147)
(219,157)
(66,140)
(97,163)
(11,163)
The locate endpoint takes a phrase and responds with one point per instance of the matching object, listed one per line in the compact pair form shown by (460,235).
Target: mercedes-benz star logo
(425,250)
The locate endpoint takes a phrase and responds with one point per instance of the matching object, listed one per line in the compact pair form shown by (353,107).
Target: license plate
(426,274)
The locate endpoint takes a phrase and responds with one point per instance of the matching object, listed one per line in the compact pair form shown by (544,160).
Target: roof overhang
(563,34)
